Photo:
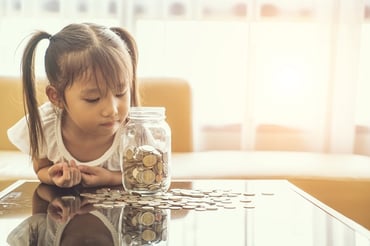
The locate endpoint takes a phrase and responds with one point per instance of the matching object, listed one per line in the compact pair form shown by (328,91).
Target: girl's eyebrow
(90,91)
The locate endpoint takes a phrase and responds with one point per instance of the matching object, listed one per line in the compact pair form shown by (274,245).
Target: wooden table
(349,197)
(228,212)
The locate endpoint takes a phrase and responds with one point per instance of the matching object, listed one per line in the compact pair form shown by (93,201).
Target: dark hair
(77,50)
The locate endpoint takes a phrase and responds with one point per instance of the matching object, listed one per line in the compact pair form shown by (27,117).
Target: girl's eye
(92,100)
(122,94)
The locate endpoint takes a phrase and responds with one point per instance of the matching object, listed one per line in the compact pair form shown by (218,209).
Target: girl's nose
(110,107)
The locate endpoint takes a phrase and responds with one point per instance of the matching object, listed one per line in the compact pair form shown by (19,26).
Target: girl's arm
(41,166)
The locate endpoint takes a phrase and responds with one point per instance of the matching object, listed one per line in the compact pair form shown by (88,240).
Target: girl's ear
(54,96)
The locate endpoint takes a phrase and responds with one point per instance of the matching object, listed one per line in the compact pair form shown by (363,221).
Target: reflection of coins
(148,235)
(68,198)
(127,239)
(144,226)
(134,221)
(147,218)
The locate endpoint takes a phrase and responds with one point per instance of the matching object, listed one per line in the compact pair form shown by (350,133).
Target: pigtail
(30,104)
(132,49)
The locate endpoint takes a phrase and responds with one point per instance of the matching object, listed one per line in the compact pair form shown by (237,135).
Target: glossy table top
(201,212)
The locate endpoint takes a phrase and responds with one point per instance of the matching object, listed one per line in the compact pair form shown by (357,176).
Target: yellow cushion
(11,107)
(173,94)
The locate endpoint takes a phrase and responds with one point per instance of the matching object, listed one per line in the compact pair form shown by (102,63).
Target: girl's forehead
(95,82)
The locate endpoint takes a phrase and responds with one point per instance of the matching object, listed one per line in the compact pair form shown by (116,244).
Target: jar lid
(147,112)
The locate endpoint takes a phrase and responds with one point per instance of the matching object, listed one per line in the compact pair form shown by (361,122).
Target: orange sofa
(176,96)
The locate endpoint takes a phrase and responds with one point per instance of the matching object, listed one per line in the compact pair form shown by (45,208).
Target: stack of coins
(143,226)
(145,170)
(175,199)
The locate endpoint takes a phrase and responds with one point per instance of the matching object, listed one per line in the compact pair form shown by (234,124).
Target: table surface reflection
(252,212)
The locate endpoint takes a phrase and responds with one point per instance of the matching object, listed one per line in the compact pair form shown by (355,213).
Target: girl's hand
(64,175)
(97,176)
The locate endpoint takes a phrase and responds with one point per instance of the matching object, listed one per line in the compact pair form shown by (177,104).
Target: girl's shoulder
(47,109)
(49,114)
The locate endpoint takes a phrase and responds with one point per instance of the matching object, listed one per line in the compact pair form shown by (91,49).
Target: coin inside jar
(149,160)
(145,169)
(148,177)
(130,154)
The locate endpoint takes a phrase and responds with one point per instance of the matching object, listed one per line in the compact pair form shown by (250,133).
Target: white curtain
(281,83)
(304,81)
(266,75)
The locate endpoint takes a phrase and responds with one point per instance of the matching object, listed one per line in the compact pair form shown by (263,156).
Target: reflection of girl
(61,218)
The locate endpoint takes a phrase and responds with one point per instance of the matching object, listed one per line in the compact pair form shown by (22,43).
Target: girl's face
(94,109)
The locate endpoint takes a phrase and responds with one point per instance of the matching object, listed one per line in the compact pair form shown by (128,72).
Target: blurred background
(266,74)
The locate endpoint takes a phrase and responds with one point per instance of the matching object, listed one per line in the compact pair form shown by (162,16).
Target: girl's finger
(72,163)
(66,172)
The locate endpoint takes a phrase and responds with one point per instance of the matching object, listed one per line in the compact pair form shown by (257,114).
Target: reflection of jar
(146,151)
(139,226)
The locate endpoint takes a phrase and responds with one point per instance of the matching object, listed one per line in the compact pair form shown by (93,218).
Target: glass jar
(146,151)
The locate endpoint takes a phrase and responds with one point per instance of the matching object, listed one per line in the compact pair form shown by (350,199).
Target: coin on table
(245,200)
(249,207)
(212,207)
(229,206)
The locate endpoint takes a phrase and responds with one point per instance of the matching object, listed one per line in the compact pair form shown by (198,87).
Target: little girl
(74,137)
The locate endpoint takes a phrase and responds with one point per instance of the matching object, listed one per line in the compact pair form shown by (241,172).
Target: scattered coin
(267,193)
(245,200)
(174,199)
(230,206)
(143,227)
(249,207)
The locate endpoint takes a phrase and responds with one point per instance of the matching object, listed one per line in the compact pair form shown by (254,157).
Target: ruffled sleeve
(18,134)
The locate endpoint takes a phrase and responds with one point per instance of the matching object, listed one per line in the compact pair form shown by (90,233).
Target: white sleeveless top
(54,148)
